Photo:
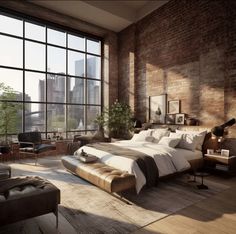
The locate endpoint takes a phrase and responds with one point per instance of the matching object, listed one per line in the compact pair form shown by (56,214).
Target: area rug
(91,210)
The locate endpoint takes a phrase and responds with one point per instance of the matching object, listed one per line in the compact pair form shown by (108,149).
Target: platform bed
(111,179)
(147,161)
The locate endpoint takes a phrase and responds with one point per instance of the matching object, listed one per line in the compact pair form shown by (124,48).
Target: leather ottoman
(27,197)
(105,177)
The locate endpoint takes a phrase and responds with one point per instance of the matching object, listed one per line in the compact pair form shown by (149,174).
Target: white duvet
(168,160)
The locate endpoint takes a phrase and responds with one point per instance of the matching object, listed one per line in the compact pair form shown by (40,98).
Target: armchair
(31,143)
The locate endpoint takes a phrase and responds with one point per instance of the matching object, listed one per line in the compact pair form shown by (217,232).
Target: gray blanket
(144,161)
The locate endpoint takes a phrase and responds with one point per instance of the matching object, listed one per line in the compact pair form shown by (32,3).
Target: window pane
(56,88)
(76,90)
(94,47)
(35,87)
(56,60)
(77,43)
(75,117)
(34,31)
(34,56)
(56,117)
(11,25)
(93,67)
(70,135)
(76,63)
(11,51)
(13,79)
(56,37)
(13,114)
(35,117)
(92,112)
(94,92)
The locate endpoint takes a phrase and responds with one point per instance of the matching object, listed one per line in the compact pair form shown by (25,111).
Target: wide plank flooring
(214,215)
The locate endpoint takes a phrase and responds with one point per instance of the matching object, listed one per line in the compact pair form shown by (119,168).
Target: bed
(168,159)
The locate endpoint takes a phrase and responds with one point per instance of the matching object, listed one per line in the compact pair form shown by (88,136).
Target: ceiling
(113,15)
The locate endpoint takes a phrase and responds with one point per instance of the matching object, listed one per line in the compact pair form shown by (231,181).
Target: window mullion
(23,93)
(46,81)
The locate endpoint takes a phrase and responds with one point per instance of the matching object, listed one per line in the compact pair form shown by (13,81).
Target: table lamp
(219,131)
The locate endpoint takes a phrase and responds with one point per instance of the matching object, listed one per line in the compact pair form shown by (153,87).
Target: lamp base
(202,186)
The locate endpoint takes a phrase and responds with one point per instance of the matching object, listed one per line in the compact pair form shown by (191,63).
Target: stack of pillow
(190,140)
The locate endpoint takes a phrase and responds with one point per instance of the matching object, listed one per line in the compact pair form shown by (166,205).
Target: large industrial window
(55,76)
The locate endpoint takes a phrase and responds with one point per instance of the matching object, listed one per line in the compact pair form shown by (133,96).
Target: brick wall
(186,49)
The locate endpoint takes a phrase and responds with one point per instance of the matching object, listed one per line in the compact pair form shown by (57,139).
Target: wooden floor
(215,215)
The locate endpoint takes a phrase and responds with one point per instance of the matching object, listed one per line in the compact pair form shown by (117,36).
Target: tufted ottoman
(27,197)
(105,177)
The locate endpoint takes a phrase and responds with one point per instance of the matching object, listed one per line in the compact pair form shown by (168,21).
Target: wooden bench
(105,177)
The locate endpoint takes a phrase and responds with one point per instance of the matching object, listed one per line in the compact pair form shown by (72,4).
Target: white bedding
(168,160)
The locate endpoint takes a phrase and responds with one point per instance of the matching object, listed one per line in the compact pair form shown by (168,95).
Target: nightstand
(220,163)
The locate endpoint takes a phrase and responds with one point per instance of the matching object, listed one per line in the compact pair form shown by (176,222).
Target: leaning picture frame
(224,153)
(179,119)
(157,109)
(173,107)
(170,118)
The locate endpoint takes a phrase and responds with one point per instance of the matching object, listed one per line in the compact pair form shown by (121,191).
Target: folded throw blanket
(145,162)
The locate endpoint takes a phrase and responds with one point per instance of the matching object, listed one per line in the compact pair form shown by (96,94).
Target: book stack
(88,158)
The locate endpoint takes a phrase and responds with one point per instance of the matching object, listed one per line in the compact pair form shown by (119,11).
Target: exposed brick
(187,49)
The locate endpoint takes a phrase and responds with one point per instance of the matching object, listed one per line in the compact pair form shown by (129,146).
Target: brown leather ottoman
(27,197)
(105,177)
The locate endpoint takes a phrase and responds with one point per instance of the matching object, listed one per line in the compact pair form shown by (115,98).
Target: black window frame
(67,30)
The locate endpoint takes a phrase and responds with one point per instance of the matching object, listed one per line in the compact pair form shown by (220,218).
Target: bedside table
(221,163)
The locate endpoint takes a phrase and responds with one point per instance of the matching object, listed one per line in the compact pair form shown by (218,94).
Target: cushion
(159,133)
(200,137)
(149,139)
(141,136)
(175,135)
(188,141)
(168,141)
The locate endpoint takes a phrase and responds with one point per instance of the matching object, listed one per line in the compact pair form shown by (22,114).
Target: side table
(220,163)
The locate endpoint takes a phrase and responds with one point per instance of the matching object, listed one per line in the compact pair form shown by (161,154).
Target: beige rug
(91,210)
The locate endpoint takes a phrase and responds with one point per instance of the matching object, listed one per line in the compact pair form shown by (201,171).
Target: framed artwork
(179,118)
(157,109)
(210,151)
(174,107)
(224,153)
(170,118)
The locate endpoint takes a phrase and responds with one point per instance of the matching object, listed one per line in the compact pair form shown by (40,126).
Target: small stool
(5,171)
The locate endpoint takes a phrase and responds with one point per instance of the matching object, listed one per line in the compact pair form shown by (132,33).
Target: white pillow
(175,135)
(188,141)
(200,137)
(141,136)
(159,133)
(169,141)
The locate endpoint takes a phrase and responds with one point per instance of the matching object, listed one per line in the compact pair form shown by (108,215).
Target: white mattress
(168,160)
(190,155)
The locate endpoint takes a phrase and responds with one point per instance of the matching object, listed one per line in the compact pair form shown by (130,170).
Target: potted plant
(101,122)
(119,120)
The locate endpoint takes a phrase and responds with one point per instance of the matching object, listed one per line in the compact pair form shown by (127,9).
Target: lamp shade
(218,131)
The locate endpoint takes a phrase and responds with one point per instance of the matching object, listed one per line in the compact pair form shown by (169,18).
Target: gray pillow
(168,141)
(188,141)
